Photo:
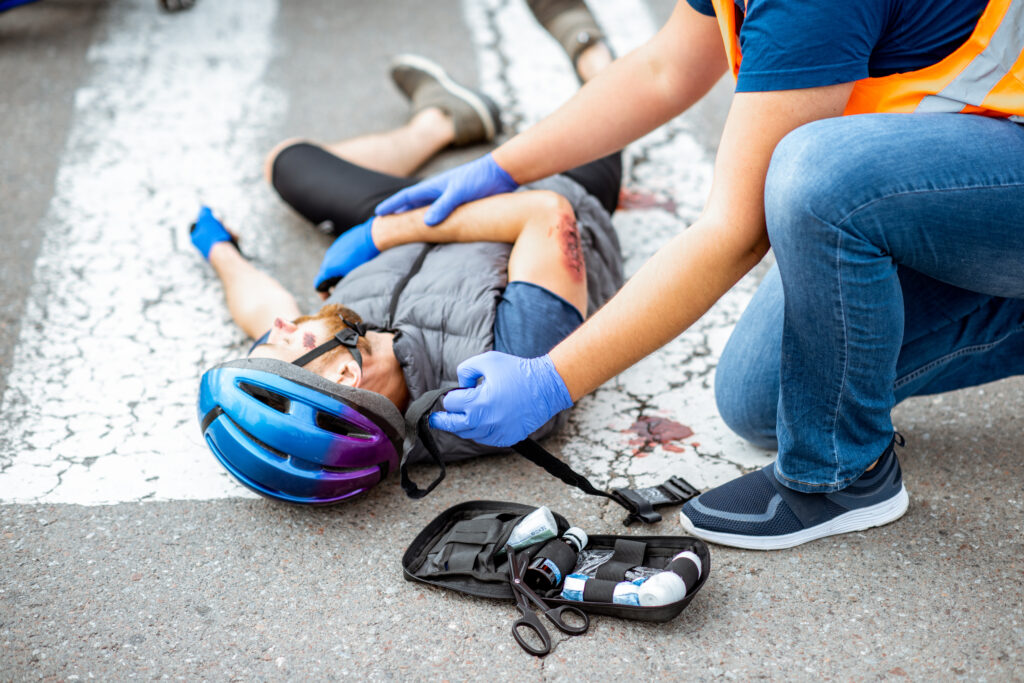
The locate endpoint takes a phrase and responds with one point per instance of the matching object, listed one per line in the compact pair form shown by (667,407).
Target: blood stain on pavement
(640,199)
(657,431)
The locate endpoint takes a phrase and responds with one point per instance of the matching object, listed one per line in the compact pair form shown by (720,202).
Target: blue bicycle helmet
(289,434)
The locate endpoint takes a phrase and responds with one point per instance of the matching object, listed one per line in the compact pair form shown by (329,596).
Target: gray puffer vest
(442,299)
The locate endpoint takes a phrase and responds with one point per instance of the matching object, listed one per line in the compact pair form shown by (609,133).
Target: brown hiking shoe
(426,84)
(570,23)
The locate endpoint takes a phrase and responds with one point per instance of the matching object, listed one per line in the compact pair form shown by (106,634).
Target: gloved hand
(207,231)
(516,397)
(474,180)
(354,248)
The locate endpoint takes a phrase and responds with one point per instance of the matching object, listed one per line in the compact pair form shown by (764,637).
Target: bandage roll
(688,567)
(674,583)
(553,561)
(661,589)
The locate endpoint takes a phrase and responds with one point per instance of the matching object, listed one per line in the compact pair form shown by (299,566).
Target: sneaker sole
(854,520)
(463,93)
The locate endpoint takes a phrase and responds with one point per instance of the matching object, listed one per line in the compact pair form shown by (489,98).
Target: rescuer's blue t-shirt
(790,44)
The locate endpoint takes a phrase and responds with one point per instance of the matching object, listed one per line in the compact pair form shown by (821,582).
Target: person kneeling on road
(877,148)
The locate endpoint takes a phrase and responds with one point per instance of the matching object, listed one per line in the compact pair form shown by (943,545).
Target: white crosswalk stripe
(121,316)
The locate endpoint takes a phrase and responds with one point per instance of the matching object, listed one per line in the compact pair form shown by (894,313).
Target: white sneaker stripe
(855,520)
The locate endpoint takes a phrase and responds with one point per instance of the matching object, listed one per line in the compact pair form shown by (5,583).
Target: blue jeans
(899,241)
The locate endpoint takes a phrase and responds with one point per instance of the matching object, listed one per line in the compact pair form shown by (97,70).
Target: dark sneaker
(757,512)
(426,84)
(570,23)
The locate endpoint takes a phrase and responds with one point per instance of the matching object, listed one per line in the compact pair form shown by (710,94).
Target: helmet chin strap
(347,337)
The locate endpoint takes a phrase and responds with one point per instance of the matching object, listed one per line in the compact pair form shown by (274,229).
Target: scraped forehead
(288,341)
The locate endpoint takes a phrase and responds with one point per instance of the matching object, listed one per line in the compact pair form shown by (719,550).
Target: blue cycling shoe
(758,512)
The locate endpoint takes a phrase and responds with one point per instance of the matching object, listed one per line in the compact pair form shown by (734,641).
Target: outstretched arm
(253,297)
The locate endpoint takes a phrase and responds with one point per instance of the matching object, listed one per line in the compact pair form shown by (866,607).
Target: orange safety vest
(983,76)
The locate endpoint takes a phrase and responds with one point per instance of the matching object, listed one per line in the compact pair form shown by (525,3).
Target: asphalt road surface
(128,553)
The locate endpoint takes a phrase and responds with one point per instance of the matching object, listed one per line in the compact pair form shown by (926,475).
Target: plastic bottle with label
(537,526)
(555,560)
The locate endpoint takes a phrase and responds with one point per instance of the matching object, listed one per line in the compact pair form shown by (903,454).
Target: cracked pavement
(127,553)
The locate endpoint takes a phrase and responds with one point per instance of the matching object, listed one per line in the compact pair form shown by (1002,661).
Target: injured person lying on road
(314,413)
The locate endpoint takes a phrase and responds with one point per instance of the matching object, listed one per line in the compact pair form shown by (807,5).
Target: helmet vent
(267,447)
(336,425)
(341,470)
(267,397)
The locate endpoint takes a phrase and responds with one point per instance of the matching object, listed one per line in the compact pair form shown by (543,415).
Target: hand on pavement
(208,231)
(504,399)
(354,248)
(477,179)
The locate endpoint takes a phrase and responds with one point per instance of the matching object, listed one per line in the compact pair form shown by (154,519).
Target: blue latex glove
(354,248)
(514,398)
(207,231)
(474,180)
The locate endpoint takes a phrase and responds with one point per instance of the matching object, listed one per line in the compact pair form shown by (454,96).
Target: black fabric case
(461,550)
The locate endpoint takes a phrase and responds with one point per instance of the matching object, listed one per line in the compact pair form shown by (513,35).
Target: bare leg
(253,297)
(397,152)
(402,150)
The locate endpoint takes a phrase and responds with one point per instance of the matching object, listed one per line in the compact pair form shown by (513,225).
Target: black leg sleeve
(602,179)
(323,187)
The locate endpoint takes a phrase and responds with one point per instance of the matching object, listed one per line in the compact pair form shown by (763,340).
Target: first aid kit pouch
(463,549)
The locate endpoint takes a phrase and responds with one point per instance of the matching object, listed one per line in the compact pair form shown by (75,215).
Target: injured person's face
(288,341)
(380,371)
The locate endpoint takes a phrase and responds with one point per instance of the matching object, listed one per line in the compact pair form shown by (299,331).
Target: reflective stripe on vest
(983,76)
